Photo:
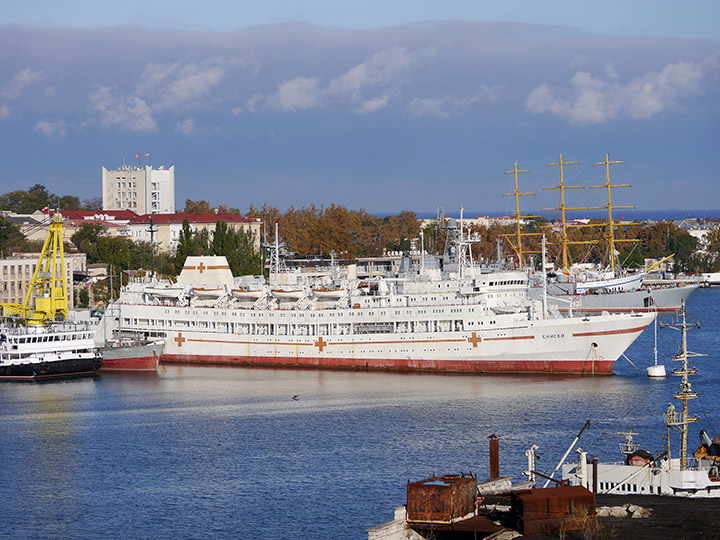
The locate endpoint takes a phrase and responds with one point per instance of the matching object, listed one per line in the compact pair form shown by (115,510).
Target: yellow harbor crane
(49,283)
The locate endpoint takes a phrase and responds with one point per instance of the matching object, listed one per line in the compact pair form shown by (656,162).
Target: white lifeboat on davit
(246,293)
(332,294)
(203,292)
(287,294)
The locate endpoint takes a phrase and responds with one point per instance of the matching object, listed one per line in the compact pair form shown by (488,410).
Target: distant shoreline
(642,215)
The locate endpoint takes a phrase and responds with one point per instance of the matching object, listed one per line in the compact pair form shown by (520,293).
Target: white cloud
(252,104)
(21,80)
(419,107)
(446,106)
(381,72)
(5,112)
(186,127)
(594,100)
(295,95)
(128,112)
(170,86)
(373,105)
(236,111)
(369,86)
(51,129)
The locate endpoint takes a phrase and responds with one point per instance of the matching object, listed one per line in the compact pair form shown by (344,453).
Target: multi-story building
(144,190)
(16,273)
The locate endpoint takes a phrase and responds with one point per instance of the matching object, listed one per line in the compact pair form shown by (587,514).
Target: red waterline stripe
(611,332)
(575,367)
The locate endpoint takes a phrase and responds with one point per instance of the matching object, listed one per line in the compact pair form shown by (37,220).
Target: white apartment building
(16,272)
(144,190)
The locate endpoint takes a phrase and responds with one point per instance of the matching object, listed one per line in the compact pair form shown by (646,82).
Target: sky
(399,105)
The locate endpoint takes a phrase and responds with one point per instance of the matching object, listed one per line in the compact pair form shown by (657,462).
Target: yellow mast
(562,187)
(608,186)
(518,249)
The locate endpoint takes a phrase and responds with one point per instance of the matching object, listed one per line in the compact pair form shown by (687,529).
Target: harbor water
(226,453)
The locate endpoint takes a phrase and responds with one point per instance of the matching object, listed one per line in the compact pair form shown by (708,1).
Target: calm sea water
(203,452)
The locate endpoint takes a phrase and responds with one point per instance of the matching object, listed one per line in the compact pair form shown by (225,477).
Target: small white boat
(656,371)
(284,294)
(333,294)
(203,292)
(165,292)
(247,293)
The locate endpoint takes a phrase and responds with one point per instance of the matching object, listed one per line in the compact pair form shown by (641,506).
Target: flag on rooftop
(147,155)
(137,155)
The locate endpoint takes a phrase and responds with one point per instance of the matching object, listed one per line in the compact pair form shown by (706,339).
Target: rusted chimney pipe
(494,456)
(595,475)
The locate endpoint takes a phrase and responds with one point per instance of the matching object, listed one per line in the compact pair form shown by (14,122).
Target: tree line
(316,231)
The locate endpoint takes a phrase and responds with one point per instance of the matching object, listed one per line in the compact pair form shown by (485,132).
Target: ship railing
(51,328)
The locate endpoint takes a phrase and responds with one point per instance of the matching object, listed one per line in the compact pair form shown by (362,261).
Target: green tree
(84,298)
(36,198)
(683,245)
(10,236)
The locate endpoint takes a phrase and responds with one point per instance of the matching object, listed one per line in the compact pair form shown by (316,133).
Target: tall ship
(36,340)
(439,315)
(590,289)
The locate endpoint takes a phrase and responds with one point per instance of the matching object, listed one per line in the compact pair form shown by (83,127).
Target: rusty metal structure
(550,510)
(494,456)
(441,499)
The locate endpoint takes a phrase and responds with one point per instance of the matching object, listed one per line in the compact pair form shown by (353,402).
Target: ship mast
(562,187)
(672,418)
(610,224)
(518,235)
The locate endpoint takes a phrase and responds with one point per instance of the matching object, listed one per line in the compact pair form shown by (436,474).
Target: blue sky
(383,106)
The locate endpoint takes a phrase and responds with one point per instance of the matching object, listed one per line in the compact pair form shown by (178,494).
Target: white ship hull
(452,339)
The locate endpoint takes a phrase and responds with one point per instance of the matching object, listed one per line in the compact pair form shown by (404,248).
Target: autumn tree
(197,207)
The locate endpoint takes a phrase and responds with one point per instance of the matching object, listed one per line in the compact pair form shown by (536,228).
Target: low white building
(16,273)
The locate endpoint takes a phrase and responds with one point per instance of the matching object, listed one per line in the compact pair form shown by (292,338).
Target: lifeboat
(332,294)
(246,293)
(203,292)
(165,292)
(284,294)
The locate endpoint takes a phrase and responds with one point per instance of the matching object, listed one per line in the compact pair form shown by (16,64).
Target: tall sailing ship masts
(564,242)
(672,418)
(518,235)
(608,186)
(562,187)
